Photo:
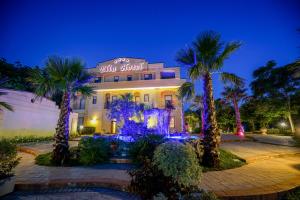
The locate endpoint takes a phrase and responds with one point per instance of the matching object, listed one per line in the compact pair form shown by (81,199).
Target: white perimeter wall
(38,118)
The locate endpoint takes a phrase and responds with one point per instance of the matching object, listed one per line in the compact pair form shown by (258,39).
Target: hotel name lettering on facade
(122,65)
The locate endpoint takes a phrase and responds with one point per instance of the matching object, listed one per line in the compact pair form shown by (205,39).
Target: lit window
(172,122)
(146,97)
(94,99)
(137,99)
(168,100)
(147,76)
(129,78)
(116,78)
(114,98)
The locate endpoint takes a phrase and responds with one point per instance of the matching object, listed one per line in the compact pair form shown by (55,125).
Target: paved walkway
(273,139)
(271,168)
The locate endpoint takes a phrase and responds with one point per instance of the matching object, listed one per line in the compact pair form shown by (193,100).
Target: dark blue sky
(155,30)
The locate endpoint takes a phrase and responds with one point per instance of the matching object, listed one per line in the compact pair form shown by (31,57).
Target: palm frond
(186,90)
(186,57)
(84,90)
(6,106)
(230,78)
(228,50)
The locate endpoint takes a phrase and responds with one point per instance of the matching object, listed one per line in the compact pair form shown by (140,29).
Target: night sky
(155,30)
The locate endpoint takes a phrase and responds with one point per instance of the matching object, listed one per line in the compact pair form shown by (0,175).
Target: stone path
(271,169)
(71,194)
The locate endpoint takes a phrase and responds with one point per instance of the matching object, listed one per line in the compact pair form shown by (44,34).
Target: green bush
(31,138)
(8,158)
(198,148)
(46,158)
(88,130)
(279,131)
(178,161)
(93,151)
(144,147)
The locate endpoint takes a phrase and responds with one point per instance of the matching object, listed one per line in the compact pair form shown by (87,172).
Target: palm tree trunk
(61,146)
(239,128)
(291,123)
(211,133)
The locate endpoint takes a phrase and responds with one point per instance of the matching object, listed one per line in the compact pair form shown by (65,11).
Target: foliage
(68,77)
(28,139)
(205,57)
(46,158)
(227,161)
(198,149)
(87,130)
(16,75)
(225,115)
(279,131)
(8,158)
(179,162)
(135,129)
(292,195)
(123,108)
(93,151)
(193,119)
(143,148)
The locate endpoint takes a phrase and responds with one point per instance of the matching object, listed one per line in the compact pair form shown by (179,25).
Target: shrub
(46,158)
(279,131)
(143,148)
(178,161)
(198,148)
(31,138)
(135,129)
(8,158)
(93,151)
(88,130)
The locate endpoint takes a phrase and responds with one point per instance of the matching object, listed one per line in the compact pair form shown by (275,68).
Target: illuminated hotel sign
(122,65)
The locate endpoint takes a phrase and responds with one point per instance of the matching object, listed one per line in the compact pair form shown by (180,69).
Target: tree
(279,84)
(66,76)
(225,115)
(204,57)
(235,94)
(122,109)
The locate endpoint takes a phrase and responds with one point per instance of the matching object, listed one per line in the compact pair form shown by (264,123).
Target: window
(147,76)
(168,100)
(146,97)
(167,75)
(116,78)
(172,122)
(129,78)
(98,80)
(82,103)
(94,99)
(113,98)
(137,99)
(107,101)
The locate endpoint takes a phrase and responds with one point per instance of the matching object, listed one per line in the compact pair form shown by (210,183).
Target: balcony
(138,84)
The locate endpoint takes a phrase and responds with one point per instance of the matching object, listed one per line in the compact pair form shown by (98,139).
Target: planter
(264,131)
(7,185)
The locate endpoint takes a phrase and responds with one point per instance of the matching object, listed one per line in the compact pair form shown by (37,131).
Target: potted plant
(8,161)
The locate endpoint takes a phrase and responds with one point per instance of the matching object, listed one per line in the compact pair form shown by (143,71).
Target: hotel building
(149,83)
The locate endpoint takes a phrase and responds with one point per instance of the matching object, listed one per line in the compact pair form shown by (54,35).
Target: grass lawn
(46,160)
(228,161)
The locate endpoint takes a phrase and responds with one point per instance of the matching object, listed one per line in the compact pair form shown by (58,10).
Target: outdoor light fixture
(81,127)
(94,120)
(282,124)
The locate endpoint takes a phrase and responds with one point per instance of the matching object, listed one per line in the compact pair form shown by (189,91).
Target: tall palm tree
(235,95)
(205,57)
(68,77)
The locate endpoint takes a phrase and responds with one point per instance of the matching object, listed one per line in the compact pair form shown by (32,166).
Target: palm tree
(4,105)
(205,57)
(235,95)
(68,77)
